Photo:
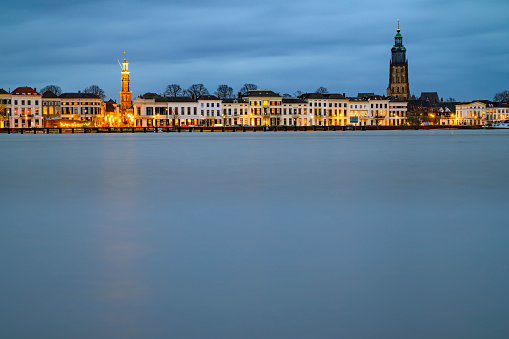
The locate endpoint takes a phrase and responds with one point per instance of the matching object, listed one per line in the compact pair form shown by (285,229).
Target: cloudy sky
(458,48)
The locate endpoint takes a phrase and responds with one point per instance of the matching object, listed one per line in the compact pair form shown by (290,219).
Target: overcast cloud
(458,48)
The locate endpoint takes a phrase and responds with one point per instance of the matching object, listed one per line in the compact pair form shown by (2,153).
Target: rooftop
(25,91)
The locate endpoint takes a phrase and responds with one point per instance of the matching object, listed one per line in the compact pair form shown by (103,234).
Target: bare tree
(173,90)
(94,89)
(322,90)
(248,87)
(297,94)
(286,95)
(451,99)
(196,90)
(224,92)
(52,88)
(501,96)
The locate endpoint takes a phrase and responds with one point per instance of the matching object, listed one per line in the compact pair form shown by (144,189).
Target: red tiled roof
(25,90)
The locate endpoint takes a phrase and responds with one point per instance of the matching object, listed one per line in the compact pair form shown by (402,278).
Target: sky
(458,48)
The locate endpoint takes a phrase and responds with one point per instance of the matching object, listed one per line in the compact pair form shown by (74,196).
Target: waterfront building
(336,112)
(210,114)
(154,110)
(497,111)
(294,111)
(479,112)
(265,107)
(26,107)
(397,112)
(398,71)
(51,108)
(236,112)
(80,109)
(5,108)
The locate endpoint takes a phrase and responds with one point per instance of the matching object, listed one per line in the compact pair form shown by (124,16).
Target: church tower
(398,73)
(125,89)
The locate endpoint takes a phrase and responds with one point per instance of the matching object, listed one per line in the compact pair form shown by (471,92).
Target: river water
(366,234)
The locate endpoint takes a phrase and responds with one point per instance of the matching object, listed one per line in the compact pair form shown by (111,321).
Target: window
(22,102)
(15,102)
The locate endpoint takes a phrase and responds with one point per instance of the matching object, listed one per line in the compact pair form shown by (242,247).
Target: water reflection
(285,235)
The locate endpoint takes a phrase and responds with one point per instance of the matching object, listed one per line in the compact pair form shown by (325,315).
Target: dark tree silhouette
(196,90)
(53,88)
(322,90)
(248,87)
(94,89)
(224,92)
(501,96)
(173,90)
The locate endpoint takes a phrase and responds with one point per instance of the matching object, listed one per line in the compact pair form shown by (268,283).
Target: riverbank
(188,129)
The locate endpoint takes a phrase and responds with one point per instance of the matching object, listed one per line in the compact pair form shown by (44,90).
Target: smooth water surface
(395,234)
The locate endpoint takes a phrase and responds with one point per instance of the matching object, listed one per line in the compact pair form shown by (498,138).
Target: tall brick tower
(398,73)
(125,89)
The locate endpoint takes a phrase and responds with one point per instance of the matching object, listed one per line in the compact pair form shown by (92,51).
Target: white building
(236,112)
(81,107)
(472,113)
(25,108)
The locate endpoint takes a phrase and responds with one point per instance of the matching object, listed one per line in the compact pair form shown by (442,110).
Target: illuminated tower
(125,89)
(398,73)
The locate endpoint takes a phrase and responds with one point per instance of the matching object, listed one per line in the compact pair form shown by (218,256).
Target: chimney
(79,91)
(344,95)
(239,95)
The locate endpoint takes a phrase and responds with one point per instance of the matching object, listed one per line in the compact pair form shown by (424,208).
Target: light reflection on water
(287,235)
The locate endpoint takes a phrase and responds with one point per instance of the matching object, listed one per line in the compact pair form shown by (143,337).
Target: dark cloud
(455,47)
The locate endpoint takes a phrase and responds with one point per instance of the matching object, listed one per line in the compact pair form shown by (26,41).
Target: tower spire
(398,26)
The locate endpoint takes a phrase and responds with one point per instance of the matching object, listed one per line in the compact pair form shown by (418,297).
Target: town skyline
(333,50)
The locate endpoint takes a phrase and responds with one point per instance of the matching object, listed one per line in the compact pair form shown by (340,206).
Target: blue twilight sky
(459,48)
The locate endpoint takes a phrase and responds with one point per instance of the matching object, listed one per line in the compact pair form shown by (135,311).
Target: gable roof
(49,95)
(2,91)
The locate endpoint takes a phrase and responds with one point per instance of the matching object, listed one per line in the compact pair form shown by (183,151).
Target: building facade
(25,108)
(80,109)
(265,107)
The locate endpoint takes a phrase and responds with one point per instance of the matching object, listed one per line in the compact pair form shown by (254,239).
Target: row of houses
(25,107)
(475,113)
(265,107)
